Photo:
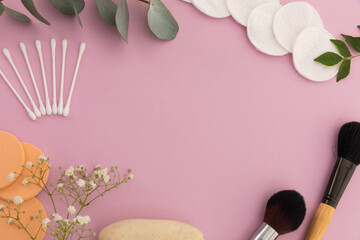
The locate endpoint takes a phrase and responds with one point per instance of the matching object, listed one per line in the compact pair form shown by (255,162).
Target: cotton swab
(48,106)
(61,101)
(29,112)
(53,48)
(23,50)
(8,57)
(67,106)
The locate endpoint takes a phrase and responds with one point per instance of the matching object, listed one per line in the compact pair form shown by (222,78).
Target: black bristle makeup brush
(348,159)
(285,211)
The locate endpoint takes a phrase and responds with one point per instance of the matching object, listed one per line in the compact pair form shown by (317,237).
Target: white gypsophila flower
(98,167)
(29,164)
(1,207)
(10,221)
(41,159)
(103,172)
(80,168)
(96,174)
(60,185)
(92,184)
(80,182)
(25,182)
(106,178)
(71,209)
(45,222)
(70,171)
(86,219)
(11,176)
(49,165)
(66,221)
(57,217)
(18,200)
(131,176)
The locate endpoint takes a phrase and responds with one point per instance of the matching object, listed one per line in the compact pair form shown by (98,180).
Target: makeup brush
(285,211)
(348,159)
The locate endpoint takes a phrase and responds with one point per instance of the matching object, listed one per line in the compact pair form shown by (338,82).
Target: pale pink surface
(210,126)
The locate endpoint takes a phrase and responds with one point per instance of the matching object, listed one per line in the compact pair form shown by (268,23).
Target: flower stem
(347,58)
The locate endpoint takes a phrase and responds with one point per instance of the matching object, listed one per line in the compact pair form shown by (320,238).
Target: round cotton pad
(260,31)
(17,187)
(241,9)
(31,208)
(291,19)
(311,43)
(212,8)
(12,157)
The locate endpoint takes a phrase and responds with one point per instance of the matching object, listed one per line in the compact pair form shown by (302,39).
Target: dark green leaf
(344,70)
(16,15)
(107,10)
(329,59)
(29,5)
(66,7)
(358,26)
(1,8)
(161,22)
(352,42)
(122,19)
(341,46)
(76,13)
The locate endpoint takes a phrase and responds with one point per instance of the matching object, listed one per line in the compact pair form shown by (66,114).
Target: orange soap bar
(31,208)
(17,188)
(12,157)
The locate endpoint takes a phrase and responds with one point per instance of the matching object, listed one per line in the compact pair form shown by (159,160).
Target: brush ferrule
(264,232)
(339,180)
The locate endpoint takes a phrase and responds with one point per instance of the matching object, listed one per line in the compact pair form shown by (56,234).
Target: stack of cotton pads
(48,108)
(16,156)
(276,30)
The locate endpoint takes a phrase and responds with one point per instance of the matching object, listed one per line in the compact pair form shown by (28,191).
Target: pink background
(210,126)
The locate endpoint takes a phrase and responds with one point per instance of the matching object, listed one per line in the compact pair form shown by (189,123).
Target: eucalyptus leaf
(1,8)
(76,13)
(344,70)
(66,6)
(352,42)
(358,26)
(122,19)
(341,46)
(329,59)
(29,5)
(16,15)
(107,10)
(161,22)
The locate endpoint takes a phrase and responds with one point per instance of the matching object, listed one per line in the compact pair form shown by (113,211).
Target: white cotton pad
(212,8)
(241,9)
(291,19)
(260,29)
(311,43)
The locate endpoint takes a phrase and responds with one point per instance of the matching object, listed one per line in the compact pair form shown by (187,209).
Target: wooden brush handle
(320,222)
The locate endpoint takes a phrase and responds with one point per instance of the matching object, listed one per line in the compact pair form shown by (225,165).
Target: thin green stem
(349,58)
(144,1)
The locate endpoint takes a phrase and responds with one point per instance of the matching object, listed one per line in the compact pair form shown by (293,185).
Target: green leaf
(122,19)
(341,46)
(344,70)
(16,15)
(161,22)
(107,10)
(66,6)
(1,8)
(358,26)
(76,13)
(352,42)
(329,59)
(29,5)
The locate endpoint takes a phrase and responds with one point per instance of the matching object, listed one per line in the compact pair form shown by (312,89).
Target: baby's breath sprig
(76,188)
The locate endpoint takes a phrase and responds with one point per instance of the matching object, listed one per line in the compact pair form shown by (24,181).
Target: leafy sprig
(345,57)
(160,20)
